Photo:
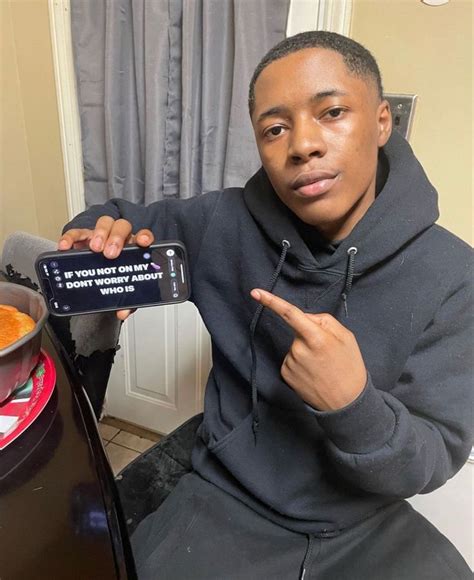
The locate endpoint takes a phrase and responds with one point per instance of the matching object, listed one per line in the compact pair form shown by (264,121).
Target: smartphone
(82,281)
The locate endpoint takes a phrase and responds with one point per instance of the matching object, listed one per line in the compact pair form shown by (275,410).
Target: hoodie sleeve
(415,437)
(169,219)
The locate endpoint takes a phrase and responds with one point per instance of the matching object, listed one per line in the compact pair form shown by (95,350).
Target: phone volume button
(47,287)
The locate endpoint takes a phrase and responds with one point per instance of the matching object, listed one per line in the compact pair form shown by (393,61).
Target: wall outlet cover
(403,109)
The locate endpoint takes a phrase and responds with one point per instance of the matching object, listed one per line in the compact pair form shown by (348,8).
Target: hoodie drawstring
(253,325)
(307,557)
(351,252)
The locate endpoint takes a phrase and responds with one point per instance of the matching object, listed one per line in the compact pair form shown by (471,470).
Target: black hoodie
(399,282)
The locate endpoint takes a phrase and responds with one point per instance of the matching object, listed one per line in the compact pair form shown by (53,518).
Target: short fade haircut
(357,59)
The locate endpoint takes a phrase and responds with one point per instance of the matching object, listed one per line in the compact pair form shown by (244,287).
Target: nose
(306,141)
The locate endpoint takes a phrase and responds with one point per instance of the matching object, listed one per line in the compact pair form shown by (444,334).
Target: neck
(343,227)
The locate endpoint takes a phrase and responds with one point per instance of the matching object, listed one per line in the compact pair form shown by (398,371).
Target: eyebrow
(281,109)
(329,93)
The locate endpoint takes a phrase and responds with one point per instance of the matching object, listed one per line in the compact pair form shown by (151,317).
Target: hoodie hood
(407,195)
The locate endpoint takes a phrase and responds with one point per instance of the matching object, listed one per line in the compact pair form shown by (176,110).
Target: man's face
(318,129)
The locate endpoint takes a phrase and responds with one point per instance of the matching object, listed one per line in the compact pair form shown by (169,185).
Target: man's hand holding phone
(109,236)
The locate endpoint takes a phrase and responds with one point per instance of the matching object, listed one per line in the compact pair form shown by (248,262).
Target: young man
(347,387)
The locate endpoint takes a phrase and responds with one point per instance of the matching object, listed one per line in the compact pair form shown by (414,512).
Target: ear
(384,122)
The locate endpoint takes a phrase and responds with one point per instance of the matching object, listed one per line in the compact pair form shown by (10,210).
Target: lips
(313,183)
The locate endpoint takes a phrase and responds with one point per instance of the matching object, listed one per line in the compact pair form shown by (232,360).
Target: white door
(160,371)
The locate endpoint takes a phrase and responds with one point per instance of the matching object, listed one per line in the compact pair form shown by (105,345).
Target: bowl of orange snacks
(23,314)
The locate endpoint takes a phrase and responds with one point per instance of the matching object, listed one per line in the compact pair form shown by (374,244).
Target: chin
(318,216)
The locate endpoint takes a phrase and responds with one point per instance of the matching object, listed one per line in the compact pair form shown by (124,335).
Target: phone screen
(81,281)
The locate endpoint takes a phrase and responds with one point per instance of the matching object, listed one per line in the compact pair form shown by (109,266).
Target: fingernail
(111,251)
(256,294)
(97,243)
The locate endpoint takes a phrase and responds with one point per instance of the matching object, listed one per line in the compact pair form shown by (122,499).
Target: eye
(274,131)
(335,113)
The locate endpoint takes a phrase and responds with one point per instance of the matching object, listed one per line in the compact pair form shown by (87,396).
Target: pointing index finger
(290,313)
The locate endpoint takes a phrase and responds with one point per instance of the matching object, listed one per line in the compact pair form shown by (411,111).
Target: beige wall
(32,189)
(428,51)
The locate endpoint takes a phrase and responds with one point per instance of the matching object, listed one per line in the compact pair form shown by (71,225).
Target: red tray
(27,402)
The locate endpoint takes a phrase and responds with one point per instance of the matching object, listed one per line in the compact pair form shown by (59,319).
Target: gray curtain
(162,88)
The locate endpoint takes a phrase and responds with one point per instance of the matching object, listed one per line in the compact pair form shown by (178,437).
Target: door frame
(330,15)
(68,110)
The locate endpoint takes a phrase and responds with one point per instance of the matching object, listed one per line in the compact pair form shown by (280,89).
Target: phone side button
(47,287)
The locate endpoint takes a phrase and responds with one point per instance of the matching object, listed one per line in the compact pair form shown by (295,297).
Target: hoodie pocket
(286,465)
(220,445)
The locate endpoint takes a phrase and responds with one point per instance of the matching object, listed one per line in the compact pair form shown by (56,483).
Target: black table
(60,516)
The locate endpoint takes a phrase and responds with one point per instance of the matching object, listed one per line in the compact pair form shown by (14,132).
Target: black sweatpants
(203,533)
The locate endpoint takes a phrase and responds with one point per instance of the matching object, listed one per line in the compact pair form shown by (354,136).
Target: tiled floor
(124,442)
